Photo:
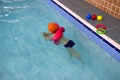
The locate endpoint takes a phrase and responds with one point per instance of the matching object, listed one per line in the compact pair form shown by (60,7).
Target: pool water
(25,55)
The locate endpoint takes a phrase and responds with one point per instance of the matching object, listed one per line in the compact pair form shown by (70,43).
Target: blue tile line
(116,55)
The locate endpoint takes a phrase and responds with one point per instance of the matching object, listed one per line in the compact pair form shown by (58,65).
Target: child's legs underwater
(71,50)
(73,53)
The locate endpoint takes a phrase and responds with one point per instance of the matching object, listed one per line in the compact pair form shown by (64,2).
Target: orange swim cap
(53,27)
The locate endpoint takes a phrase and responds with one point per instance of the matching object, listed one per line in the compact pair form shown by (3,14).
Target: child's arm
(47,35)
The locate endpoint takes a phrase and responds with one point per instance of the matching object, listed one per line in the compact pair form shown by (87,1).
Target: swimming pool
(25,55)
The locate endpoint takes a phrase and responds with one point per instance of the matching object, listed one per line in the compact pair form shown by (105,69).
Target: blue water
(25,55)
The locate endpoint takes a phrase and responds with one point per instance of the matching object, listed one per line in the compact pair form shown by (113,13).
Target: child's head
(53,27)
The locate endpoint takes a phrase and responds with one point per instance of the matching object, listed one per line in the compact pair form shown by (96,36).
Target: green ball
(99,18)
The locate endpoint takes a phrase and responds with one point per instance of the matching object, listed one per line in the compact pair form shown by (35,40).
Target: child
(56,35)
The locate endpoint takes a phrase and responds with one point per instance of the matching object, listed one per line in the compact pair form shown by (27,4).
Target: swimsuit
(69,44)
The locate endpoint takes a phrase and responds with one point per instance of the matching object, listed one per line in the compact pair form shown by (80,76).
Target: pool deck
(82,8)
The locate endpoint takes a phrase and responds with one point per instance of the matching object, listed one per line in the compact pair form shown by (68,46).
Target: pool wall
(106,68)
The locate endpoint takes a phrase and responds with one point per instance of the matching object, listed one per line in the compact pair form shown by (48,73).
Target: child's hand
(46,35)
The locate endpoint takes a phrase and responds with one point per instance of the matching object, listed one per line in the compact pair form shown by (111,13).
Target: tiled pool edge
(111,49)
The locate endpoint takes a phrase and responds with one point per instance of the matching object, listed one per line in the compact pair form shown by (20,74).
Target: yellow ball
(99,18)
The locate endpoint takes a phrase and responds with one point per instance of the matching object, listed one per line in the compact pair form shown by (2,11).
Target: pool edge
(102,40)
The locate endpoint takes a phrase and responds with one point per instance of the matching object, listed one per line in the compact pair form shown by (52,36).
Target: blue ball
(88,16)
